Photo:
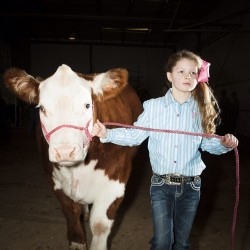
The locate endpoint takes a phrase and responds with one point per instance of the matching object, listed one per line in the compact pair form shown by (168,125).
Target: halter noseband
(85,129)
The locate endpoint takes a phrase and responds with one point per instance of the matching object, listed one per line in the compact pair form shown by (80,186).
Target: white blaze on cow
(81,170)
(62,94)
(84,184)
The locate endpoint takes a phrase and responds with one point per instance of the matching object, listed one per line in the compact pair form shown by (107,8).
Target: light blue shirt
(169,153)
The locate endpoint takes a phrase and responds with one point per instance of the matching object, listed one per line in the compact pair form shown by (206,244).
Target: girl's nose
(188,76)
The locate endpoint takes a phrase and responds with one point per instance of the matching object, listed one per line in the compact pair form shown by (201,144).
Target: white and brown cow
(80,169)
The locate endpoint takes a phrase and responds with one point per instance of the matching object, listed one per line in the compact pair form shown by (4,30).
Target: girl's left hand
(229,141)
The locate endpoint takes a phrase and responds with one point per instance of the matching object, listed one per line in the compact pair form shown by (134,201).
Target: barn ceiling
(145,23)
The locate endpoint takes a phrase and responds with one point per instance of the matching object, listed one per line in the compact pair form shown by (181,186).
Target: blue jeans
(173,211)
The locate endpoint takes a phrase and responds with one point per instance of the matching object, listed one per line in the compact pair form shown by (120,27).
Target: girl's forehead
(186,63)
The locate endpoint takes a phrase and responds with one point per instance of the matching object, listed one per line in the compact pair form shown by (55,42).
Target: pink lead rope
(206,136)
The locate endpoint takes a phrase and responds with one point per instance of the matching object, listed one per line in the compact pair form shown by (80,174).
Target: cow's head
(66,102)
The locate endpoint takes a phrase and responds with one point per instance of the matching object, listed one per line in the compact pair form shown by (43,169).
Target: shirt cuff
(109,138)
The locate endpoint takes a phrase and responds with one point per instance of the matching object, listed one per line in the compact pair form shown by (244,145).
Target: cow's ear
(109,84)
(24,86)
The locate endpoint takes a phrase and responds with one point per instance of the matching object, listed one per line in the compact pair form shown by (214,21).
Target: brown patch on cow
(99,229)
(77,209)
(113,159)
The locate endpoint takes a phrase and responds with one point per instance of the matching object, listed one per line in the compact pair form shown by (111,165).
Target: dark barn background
(95,36)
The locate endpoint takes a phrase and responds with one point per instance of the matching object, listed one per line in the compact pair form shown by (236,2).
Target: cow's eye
(87,106)
(42,109)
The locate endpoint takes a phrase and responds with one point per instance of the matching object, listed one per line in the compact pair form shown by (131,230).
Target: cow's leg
(71,210)
(75,231)
(101,221)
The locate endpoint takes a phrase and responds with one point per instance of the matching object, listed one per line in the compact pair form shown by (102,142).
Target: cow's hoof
(77,246)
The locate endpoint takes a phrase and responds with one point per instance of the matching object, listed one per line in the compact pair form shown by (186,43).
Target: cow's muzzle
(66,154)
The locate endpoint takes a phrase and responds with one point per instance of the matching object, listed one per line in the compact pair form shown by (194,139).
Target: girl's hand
(229,141)
(99,130)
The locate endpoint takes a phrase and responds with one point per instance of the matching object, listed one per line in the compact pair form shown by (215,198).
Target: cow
(80,169)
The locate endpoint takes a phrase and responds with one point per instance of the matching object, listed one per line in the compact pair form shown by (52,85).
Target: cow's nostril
(72,153)
(65,152)
(57,155)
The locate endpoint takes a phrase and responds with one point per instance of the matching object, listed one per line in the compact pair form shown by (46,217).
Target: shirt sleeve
(214,146)
(129,136)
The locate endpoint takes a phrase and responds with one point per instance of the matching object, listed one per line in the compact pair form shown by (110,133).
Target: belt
(177,179)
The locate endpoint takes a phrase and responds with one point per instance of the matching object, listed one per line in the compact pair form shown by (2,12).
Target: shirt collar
(170,99)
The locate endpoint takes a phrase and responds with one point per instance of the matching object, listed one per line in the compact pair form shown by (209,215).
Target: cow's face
(66,115)
(66,106)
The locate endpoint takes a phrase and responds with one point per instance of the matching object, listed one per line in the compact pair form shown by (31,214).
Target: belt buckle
(169,176)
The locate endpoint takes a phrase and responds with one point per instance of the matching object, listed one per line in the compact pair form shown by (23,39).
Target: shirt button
(176,146)
(178,115)
(174,161)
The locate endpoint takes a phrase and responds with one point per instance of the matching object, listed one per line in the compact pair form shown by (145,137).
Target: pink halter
(86,131)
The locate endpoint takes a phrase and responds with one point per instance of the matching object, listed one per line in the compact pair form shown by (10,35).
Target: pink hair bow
(204,72)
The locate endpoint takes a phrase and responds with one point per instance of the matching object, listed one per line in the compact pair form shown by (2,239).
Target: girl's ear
(169,76)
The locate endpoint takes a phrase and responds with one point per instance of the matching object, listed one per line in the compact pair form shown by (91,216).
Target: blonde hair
(203,94)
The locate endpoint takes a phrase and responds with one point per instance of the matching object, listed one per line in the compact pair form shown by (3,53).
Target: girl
(189,105)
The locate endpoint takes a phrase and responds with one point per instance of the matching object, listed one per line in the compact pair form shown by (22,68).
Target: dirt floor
(31,219)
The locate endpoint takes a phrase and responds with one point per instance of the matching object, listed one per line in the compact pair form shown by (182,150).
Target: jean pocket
(157,181)
(196,184)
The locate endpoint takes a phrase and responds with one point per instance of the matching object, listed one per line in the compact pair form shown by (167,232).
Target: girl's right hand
(229,141)
(99,130)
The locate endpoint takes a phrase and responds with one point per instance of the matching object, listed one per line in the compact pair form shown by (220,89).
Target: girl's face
(184,76)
